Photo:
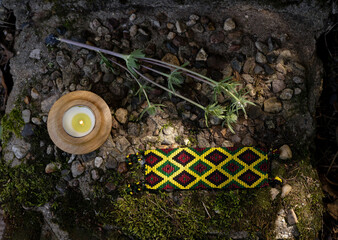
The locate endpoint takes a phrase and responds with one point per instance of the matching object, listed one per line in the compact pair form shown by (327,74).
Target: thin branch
(82,45)
(161,208)
(168,90)
(183,71)
(206,209)
(334,158)
(133,76)
(178,67)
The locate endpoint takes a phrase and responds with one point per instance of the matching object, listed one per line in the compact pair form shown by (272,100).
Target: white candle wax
(78,121)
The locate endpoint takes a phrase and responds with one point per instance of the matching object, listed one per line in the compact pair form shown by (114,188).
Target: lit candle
(78,121)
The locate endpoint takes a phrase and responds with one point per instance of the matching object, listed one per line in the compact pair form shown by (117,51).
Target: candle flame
(81,122)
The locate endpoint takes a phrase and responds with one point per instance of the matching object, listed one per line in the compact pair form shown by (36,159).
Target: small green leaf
(131,60)
(175,78)
(214,110)
(142,90)
(105,61)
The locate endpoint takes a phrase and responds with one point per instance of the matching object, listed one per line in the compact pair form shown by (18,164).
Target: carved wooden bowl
(90,142)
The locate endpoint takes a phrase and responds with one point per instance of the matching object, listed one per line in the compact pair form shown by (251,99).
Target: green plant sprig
(227,113)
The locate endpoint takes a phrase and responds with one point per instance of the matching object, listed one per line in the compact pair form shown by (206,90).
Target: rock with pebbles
(292,217)
(280,68)
(277,85)
(197,28)
(251,89)
(260,58)
(248,78)
(21,150)
(98,162)
(52,167)
(268,70)
(274,193)
(190,23)
(202,141)
(133,30)
(249,65)
(132,17)
(48,103)
(180,27)
(49,150)
(111,163)
(236,65)
(26,115)
(286,189)
(194,17)
(36,121)
(286,94)
(121,115)
(171,35)
(229,25)
(94,24)
(201,55)
(77,168)
(62,59)
(285,152)
(262,47)
(59,84)
(95,174)
(282,230)
(258,69)
(35,93)
(171,58)
(122,143)
(168,130)
(35,54)
(272,105)
(28,130)
(170,26)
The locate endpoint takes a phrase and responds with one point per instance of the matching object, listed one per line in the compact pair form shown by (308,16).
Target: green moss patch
(11,124)
(306,199)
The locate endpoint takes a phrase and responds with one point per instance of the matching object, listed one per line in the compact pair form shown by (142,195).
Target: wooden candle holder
(90,142)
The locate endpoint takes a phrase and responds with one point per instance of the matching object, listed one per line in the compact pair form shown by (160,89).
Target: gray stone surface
(20,149)
(75,65)
(122,144)
(201,55)
(26,115)
(35,54)
(48,103)
(77,168)
(283,231)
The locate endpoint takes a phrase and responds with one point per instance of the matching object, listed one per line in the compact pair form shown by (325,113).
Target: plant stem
(133,76)
(155,71)
(152,60)
(168,90)
(186,73)
(82,45)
